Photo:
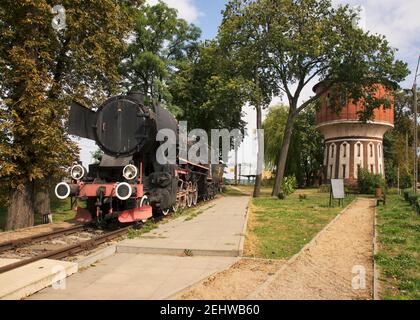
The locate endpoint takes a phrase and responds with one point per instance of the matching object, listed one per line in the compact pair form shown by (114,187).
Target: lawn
(399,250)
(278,229)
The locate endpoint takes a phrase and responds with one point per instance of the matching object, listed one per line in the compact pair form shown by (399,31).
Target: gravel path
(338,265)
(322,271)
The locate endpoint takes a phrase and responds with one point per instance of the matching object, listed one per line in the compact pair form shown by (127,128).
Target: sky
(398,20)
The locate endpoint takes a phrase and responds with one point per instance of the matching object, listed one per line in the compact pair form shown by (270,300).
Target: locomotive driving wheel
(195,194)
(176,206)
(189,195)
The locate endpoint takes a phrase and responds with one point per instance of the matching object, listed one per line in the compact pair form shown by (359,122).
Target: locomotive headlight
(123,191)
(78,172)
(130,172)
(62,190)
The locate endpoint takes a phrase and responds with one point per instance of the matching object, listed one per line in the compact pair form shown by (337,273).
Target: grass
(399,250)
(278,229)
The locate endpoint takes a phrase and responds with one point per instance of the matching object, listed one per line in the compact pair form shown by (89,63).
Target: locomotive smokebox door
(121,127)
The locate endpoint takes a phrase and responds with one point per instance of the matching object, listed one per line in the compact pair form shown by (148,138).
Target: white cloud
(398,21)
(186,8)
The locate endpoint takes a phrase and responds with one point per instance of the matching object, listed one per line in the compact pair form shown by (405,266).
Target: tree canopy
(306,40)
(42,69)
(159,45)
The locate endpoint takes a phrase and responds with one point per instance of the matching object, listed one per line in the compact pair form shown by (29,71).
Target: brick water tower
(351,144)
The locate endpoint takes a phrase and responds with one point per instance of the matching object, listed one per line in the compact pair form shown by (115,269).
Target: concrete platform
(24,281)
(136,277)
(216,232)
(165,261)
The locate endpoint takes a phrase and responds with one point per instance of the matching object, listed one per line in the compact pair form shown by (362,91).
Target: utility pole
(236,164)
(415,175)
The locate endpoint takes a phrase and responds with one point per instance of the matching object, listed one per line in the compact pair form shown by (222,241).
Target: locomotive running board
(137,214)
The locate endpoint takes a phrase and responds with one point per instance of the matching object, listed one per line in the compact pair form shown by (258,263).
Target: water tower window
(344,171)
(371,168)
(332,151)
(371,150)
(331,171)
(344,150)
(359,147)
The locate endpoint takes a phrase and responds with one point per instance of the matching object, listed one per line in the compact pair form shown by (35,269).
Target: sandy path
(322,271)
(235,283)
(325,269)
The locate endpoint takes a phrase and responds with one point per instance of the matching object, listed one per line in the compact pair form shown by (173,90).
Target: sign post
(337,191)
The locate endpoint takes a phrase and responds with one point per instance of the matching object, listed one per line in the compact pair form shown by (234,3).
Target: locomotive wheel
(175,207)
(195,198)
(183,203)
(189,200)
(195,194)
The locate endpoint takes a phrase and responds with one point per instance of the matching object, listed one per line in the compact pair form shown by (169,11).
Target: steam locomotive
(129,184)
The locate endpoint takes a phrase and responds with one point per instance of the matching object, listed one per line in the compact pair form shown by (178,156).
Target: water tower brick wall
(362,141)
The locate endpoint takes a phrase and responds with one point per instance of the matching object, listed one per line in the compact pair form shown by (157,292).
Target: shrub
(413,199)
(407,194)
(368,182)
(406,181)
(288,185)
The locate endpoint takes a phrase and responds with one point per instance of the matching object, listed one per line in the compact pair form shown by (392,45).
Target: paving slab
(4,262)
(169,259)
(136,277)
(26,280)
(215,232)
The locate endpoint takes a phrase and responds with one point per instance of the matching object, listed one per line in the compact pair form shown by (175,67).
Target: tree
(306,147)
(159,45)
(42,69)
(244,47)
(397,143)
(208,92)
(308,40)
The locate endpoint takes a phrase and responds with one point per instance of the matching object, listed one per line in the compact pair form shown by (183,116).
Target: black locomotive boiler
(129,183)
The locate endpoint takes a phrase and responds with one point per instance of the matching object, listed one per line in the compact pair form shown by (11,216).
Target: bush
(368,182)
(413,199)
(406,181)
(288,185)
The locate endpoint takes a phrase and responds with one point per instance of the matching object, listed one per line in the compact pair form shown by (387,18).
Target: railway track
(66,251)
(14,244)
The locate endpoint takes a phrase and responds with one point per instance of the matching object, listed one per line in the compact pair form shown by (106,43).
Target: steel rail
(14,244)
(69,250)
